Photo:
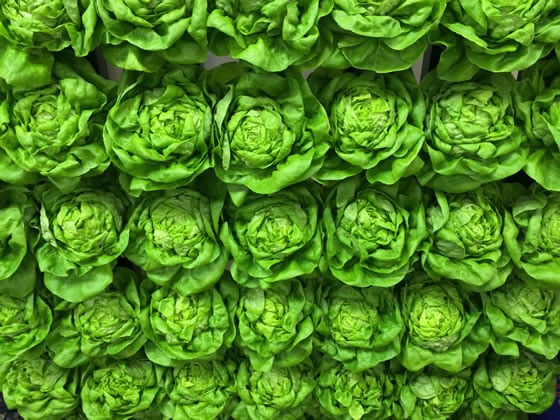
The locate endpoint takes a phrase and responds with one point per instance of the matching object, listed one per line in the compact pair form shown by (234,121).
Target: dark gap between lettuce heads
(6,414)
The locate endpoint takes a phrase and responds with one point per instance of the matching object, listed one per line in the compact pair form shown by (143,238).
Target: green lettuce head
(183,328)
(83,233)
(271,130)
(479,409)
(51,125)
(538,105)
(199,390)
(348,395)
(377,124)
(472,135)
(38,388)
(444,325)
(274,238)
(145,35)
(381,36)
(373,232)
(275,324)
(435,394)
(121,389)
(524,315)
(360,327)
(159,131)
(51,24)
(498,36)
(466,238)
(270,35)
(24,323)
(534,241)
(106,325)
(18,268)
(174,237)
(281,393)
(526,383)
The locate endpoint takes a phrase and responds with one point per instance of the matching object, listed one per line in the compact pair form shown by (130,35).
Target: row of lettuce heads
(379,36)
(265,131)
(302,348)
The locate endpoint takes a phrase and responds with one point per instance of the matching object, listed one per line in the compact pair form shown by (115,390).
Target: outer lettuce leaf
(195,327)
(282,393)
(526,383)
(359,327)
(538,105)
(444,325)
(272,35)
(51,24)
(377,124)
(82,235)
(534,242)
(479,409)
(199,390)
(159,132)
(275,324)
(271,130)
(18,268)
(274,238)
(24,324)
(121,389)
(466,241)
(106,325)
(53,125)
(174,237)
(472,135)
(384,36)
(434,394)
(144,36)
(373,232)
(495,36)
(524,314)
(38,388)
(346,395)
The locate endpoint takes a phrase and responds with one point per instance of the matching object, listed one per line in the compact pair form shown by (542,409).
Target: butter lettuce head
(159,131)
(538,105)
(360,327)
(24,324)
(270,35)
(145,36)
(199,390)
(472,133)
(183,328)
(51,24)
(174,237)
(444,325)
(106,325)
(466,238)
(524,315)
(377,124)
(82,235)
(275,324)
(373,232)
(498,36)
(477,408)
(381,36)
(526,383)
(18,268)
(270,129)
(52,125)
(274,238)
(121,389)
(435,394)
(279,393)
(343,394)
(38,388)
(534,242)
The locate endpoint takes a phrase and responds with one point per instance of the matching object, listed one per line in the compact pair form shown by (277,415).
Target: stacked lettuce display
(313,231)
